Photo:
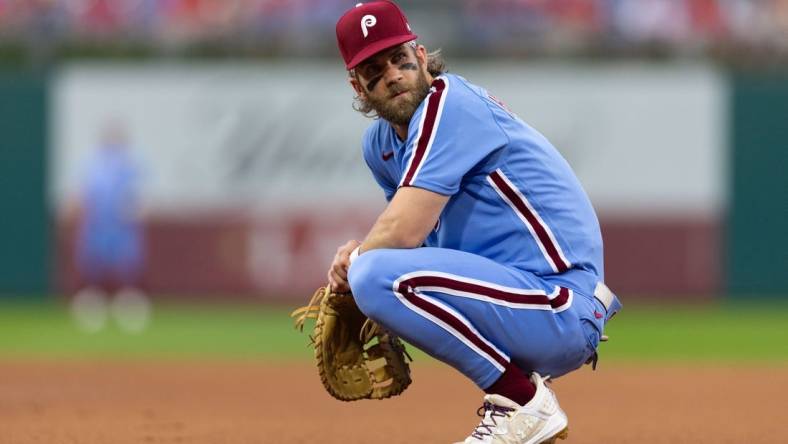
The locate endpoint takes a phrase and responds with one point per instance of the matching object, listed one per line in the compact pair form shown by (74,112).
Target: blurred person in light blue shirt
(109,238)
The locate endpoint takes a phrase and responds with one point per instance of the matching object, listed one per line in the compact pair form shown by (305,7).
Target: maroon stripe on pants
(430,116)
(490,292)
(561,299)
(405,288)
(539,229)
(494,293)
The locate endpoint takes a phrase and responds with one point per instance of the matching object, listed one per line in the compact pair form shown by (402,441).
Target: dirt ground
(255,402)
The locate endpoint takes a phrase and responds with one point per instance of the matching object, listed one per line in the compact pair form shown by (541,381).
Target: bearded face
(400,101)
(395,83)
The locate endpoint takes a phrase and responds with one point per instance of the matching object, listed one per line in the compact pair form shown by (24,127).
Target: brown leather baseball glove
(356,358)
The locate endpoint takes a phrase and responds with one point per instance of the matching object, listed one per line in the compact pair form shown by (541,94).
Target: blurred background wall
(672,112)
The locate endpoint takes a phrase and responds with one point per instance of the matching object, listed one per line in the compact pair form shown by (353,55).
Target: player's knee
(368,281)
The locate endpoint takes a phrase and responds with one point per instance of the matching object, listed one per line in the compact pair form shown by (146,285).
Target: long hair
(436,66)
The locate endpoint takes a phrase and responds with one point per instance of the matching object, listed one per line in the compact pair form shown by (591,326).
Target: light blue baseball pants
(476,314)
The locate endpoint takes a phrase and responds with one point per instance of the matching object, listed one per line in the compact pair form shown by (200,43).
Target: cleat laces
(489,412)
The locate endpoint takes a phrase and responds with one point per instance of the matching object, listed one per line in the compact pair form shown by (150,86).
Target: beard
(401,111)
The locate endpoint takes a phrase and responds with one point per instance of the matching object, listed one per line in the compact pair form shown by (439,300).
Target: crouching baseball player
(489,255)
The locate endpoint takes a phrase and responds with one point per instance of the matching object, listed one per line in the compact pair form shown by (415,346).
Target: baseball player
(110,239)
(489,255)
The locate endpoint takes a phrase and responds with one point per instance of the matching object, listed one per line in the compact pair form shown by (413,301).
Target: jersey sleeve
(455,131)
(378,169)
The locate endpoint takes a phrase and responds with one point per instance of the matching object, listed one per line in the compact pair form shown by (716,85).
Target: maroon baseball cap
(370,28)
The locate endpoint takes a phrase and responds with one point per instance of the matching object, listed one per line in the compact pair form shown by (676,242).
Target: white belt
(606,298)
(604,295)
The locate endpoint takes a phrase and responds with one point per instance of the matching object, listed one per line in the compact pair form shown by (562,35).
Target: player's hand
(337,273)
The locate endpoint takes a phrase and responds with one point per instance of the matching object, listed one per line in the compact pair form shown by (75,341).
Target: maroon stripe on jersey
(430,118)
(405,288)
(533,221)
(490,292)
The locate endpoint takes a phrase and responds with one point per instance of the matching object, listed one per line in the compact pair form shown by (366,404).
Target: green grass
(175,332)
(732,332)
(721,333)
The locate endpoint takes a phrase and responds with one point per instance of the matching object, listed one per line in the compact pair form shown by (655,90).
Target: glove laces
(310,310)
(489,412)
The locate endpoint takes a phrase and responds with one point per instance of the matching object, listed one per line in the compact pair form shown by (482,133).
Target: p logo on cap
(370,28)
(367,21)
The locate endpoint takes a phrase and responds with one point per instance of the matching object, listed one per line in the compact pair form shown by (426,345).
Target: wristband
(354,254)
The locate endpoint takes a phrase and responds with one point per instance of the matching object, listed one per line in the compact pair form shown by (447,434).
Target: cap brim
(378,46)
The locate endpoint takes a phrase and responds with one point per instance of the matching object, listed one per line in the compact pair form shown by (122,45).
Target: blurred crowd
(500,26)
(163,21)
(682,24)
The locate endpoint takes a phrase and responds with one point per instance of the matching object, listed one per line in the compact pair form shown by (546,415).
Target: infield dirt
(258,402)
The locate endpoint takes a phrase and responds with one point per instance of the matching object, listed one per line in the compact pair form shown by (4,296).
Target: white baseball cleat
(541,421)
(131,309)
(89,309)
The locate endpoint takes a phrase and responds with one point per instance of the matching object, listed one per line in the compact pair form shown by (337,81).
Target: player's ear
(421,54)
(356,85)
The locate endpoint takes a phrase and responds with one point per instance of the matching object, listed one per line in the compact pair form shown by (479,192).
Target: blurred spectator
(101,17)
(480,27)
(780,14)
(652,21)
(110,250)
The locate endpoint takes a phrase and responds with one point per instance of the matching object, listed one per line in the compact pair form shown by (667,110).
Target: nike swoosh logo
(387,156)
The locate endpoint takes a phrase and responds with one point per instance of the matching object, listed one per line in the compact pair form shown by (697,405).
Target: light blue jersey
(514,199)
(110,242)
(513,270)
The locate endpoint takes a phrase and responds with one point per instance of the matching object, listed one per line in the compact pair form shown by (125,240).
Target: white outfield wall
(273,144)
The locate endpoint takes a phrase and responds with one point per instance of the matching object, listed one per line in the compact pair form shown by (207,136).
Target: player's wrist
(354,254)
